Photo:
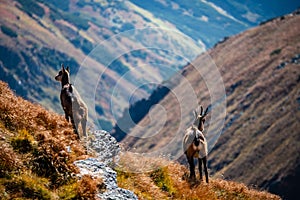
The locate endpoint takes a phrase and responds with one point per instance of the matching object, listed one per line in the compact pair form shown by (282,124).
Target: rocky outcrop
(106,150)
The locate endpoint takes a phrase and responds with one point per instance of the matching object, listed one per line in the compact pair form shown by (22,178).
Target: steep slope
(107,39)
(169,180)
(259,144)
(33,160)
(133,43)
(38,150)
(212,20)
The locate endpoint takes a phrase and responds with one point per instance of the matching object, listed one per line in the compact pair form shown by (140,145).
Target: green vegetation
(162,179)
(23,142)
(5,56)
(30,6)
(139,54)
(82,43)
(52,57)
(118,67)
(126,26)
(275,52)
(9,32)
(62,5)
(28,186)
(73,18)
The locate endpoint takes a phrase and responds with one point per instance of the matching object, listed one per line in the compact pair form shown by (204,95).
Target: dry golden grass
(9,160)
(168,180)
(17,115)
(34,159)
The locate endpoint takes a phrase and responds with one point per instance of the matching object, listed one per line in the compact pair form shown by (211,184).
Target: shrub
(118,67)
(85,188)
(63,5)
(9,32)
(8,160)
(28,186)
(162,179)
(6,55)
(275,52)
(23,142)
(78,21)
(30,6)
(52,161)
(44,119)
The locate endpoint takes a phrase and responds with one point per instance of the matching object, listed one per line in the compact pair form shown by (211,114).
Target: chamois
(72,104)
(195,145)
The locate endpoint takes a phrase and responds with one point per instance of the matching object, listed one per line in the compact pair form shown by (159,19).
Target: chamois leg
(200,168)
(66,116)
(192,167)
(75,126)
(205,168)
(83,125)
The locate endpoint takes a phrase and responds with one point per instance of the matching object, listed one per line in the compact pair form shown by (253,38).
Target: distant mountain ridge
(260,140)
(37,36)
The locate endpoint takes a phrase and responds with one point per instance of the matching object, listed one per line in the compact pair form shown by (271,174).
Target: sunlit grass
(168,180)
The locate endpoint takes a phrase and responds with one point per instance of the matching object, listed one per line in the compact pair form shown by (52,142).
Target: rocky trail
(106,150)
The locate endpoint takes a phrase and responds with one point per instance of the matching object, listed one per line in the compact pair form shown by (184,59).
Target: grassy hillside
(170,181)
(35,163)
(259,144)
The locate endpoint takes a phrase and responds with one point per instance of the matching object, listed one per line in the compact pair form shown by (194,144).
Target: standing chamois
(195,145)
(73,106)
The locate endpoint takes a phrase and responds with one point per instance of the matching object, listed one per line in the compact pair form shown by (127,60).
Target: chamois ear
(68,69)
(195,113)
(206,111)
(63,67)
(201,110)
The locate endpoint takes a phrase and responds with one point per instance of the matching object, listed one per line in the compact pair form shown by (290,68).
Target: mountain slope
(112,38)
(210,21)
(36,163)
(124,45)
(259,144)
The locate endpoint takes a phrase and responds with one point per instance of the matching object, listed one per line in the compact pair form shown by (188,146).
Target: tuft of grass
(23,142)
(29,186)
(85,188)
(51,160)
(162,179)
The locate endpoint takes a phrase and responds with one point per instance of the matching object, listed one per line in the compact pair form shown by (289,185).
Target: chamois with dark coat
(72,104)
(195,145)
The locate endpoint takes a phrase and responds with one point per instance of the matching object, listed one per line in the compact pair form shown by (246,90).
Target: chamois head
(200,118)
(63,75)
